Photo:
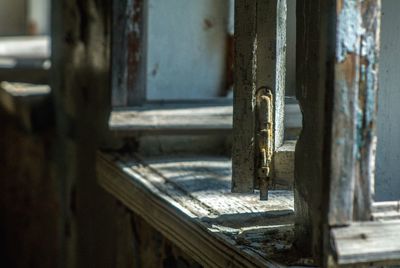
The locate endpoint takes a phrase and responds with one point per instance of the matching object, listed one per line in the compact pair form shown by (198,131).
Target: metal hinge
(264,139)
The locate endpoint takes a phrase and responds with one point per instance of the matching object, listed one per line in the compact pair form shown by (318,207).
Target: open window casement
(361,231)
(259,99)
(338,51)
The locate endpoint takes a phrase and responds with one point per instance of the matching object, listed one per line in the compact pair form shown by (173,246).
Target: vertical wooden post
(80,90)
(315,79)
(128,52)
(260,31)
(337,51)
(354,111)
(244,96)
(271,57)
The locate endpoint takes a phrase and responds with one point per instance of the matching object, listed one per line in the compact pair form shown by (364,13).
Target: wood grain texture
(271,57)
(367,109)
(174,118)
(367,242)
(260,55)
(128,52)
(188,200)
(315,76)
(386,210)
(354,111)
(186,117)
(243,166)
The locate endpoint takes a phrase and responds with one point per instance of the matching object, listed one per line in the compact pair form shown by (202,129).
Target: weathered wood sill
(188,200)
(30,104)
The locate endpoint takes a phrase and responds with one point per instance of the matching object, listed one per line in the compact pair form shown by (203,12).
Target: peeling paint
(370,75)
(350,28)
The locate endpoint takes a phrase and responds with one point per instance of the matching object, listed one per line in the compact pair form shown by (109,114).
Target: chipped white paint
(349,30)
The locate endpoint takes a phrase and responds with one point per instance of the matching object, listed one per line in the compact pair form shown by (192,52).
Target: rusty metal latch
(264,106)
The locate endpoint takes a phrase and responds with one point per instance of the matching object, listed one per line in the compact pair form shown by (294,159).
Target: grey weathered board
(188,199)
(353,141)
(260,55)
(386,210)
(183,117)
(173,117)
(367,242)
(243,150)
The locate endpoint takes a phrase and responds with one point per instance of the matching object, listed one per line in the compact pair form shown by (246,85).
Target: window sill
(30,104)
(188,200)
(188,117)
(370,243)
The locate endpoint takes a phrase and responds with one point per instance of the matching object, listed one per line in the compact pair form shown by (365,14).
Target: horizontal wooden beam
(367,242)
(188,200)
(173,118)
(386,210)
(31,104)
(184,117)
(25,47)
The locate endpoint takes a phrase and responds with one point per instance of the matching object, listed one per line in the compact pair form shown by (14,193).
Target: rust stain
(349,69)
(134,41)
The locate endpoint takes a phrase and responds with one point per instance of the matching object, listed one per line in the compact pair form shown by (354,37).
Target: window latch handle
(264,108)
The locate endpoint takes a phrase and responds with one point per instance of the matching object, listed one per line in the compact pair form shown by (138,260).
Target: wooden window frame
(132,113)
(361,231)
(260,36)
(337,83)
(129,91)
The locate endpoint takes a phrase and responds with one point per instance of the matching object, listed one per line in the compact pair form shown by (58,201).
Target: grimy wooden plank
(353,142)
(184,117)
(337,49)
(189,201)
(389,210)
(260,55)
(270,74)
(173,118)
(244,94)
(367,109)
(367,242)
(128,52)
(314,78)
(271,58)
